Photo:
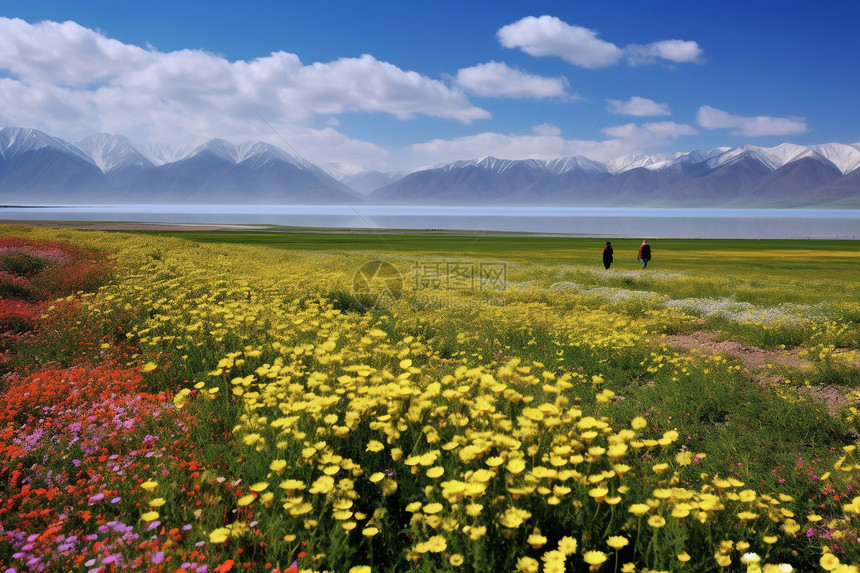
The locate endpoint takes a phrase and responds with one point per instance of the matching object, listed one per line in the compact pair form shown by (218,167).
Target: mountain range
(37,168)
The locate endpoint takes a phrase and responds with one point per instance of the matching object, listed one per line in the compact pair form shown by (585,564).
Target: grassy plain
(485,403)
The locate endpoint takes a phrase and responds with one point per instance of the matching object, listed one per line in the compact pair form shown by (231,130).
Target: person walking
(644,254)
(607,255)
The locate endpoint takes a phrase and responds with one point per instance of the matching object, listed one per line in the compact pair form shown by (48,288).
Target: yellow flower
(148,367)
(278,465)
(660,468)
(829,562)
(516,466)
(259,486)
(528,565)
(594,558)
(220,535)
(456,560)
(435,471)
(514,517)
(149,485)
(157,502)
(436,544)
(567,545)
(638,423)
(369,531)
(432,508)
(149,516)
(360,569)
(639,509)
(656,521)
(617,542)
(245,500)
(292,485)
(770,539)
(374,446)
(683,557)
(536,540)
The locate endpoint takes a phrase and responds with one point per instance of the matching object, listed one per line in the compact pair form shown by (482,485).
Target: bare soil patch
(757,361)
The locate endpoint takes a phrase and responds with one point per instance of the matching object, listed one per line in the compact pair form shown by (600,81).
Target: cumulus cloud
(760,125)
(550,36)
(496,79)
(650,134)
(678,51)
(546,142)
(638,106)
(63,74)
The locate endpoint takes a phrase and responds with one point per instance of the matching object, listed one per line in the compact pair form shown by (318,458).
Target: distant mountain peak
(18,140)
(112,152)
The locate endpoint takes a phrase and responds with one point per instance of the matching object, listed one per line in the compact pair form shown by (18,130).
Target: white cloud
(638,106)
(546,142)
(649,134)
(496,79)
(550,36)
(678,51)
(546,129)
(64,78)
(760,125)
(63,53)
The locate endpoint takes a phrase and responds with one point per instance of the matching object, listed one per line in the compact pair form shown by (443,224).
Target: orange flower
(224,567)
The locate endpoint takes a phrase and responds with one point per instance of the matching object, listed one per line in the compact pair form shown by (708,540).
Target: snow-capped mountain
(34,164)
(112,152)
(784,176)
(18,141)
(37,168)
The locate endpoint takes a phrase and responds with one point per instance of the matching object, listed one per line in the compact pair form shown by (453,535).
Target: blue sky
(401,85)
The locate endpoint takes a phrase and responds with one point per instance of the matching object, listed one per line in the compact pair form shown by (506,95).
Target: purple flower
(158,558)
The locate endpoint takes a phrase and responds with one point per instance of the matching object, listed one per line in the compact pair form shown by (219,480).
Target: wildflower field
(280,402)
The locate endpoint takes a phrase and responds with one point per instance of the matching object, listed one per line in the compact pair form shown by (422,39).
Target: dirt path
(757,361)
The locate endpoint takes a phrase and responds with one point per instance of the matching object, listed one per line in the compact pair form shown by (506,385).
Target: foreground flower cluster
(217,408)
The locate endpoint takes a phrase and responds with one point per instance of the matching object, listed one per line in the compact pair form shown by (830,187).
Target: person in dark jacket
(644,253)
(607,255)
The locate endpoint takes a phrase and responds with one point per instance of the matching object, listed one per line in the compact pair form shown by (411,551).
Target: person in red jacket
(644,253)
(607,255)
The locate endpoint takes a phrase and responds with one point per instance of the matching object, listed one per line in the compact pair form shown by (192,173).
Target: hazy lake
(596,222)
